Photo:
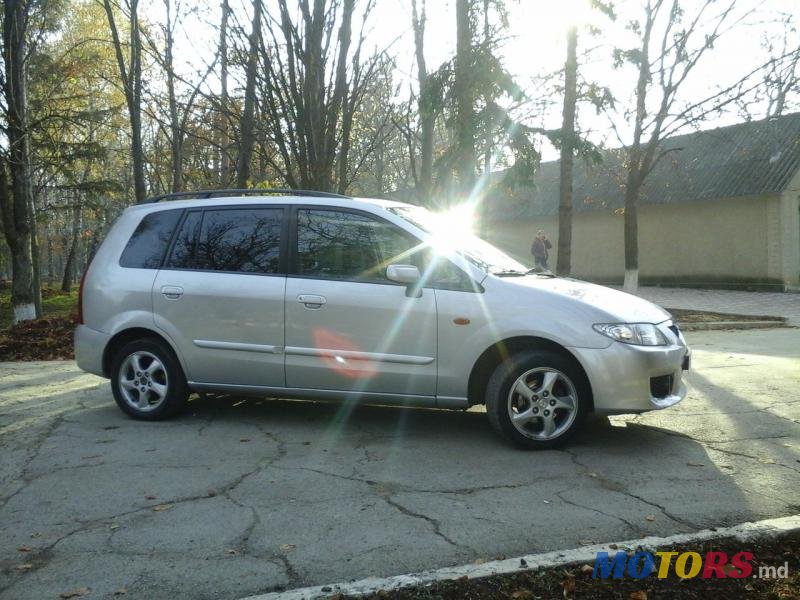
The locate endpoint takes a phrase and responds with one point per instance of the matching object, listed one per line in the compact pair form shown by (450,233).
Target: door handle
(312,301)
(173,292)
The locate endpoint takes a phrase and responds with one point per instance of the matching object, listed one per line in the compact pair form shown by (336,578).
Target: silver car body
(286,335)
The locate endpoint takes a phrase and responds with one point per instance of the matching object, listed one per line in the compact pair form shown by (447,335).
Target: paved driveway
(239,497)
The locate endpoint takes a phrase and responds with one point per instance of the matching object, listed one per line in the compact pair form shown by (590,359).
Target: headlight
(640,334)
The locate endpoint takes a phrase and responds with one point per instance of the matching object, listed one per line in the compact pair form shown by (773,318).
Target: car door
(347,326)
(220,294)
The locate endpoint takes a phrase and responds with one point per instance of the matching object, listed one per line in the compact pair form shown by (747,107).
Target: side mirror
(408,275)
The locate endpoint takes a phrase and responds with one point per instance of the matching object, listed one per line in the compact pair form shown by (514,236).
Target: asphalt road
(245,496)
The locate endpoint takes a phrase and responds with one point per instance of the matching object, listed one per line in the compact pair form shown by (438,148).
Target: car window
(241,240)
(343,245)
(184,250)
(146,247)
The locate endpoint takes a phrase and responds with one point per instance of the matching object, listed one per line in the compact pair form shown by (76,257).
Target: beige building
(720,209)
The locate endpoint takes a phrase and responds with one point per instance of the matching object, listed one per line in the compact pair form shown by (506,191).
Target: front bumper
(624,377)
(90,345)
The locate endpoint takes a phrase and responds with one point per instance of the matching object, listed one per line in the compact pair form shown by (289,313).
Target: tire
(157,389)
(555,387)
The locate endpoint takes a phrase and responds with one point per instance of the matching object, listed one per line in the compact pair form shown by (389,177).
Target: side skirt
(383,398)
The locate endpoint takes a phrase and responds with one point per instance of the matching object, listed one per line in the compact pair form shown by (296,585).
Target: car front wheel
(147,380)
(537,399)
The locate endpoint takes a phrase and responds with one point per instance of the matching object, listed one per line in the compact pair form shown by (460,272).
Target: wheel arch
(130,334)
(499,351)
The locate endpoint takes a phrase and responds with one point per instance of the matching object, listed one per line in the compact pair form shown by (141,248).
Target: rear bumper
(90,345)
(624,377)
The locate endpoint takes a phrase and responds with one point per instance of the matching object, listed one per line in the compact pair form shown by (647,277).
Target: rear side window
(146,248)
(239,240)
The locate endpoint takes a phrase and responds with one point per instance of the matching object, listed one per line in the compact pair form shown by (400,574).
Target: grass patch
(683,315)
(55,303)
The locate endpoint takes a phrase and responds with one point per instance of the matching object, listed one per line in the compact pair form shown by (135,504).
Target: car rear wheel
(147,380)
(537,399)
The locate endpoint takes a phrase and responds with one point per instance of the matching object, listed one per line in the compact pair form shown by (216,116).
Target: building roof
(747,159)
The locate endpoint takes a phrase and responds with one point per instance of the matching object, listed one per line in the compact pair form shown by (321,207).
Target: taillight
(80,296)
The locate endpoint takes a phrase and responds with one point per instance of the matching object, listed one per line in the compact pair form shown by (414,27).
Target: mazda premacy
(322,297)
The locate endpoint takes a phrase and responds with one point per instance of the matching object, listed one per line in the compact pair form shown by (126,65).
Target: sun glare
(451,226)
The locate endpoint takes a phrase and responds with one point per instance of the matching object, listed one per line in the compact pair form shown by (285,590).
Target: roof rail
(205,194)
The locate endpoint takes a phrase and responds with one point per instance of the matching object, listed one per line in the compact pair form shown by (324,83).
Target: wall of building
(735,242)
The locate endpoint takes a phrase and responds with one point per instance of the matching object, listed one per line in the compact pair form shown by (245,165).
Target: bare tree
(130,74)
(314,84)
(224,133)
(672,43)
(178,112)
(248,119)
(782,75)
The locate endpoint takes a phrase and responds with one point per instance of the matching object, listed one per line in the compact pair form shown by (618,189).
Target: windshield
(452,232)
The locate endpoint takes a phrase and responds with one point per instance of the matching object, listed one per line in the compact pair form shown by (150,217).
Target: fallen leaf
(24,567)
(523,563)
(150,497)
(231,551)
(592,474)
(113,526)
(766,461)
(650,518)
(569,587)
(479,561)
(694,464)
(500,557)
(211,493)
(638,595)
(120,592)
(81,591)
(585,542)
(586,569)
(546,501)
(522,594)
(613,546)
(287,547)
(160,507)
(244,440)
(24,549)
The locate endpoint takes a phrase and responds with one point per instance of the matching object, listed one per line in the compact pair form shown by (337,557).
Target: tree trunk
(464,97)
(247,122)
(176,133)
(72,254)
(564,260)
(427,115)
(131,76)
(17,205)
(225,142)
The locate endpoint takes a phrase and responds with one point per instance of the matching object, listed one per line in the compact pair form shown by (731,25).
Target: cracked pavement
(241,496)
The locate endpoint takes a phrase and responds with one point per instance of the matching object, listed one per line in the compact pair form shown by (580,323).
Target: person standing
(540,250)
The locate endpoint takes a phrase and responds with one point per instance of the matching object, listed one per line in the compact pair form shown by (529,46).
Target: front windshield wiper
(509,273)
(548,274)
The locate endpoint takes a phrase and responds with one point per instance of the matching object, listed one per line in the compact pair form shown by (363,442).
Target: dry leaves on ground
(50,338)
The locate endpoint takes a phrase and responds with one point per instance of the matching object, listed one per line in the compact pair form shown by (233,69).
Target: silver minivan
(324,297)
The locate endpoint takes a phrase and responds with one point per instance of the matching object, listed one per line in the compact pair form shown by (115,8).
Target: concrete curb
(732,325)
(584,554)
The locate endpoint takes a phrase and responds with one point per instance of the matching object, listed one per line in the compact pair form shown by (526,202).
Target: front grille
(661,386)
